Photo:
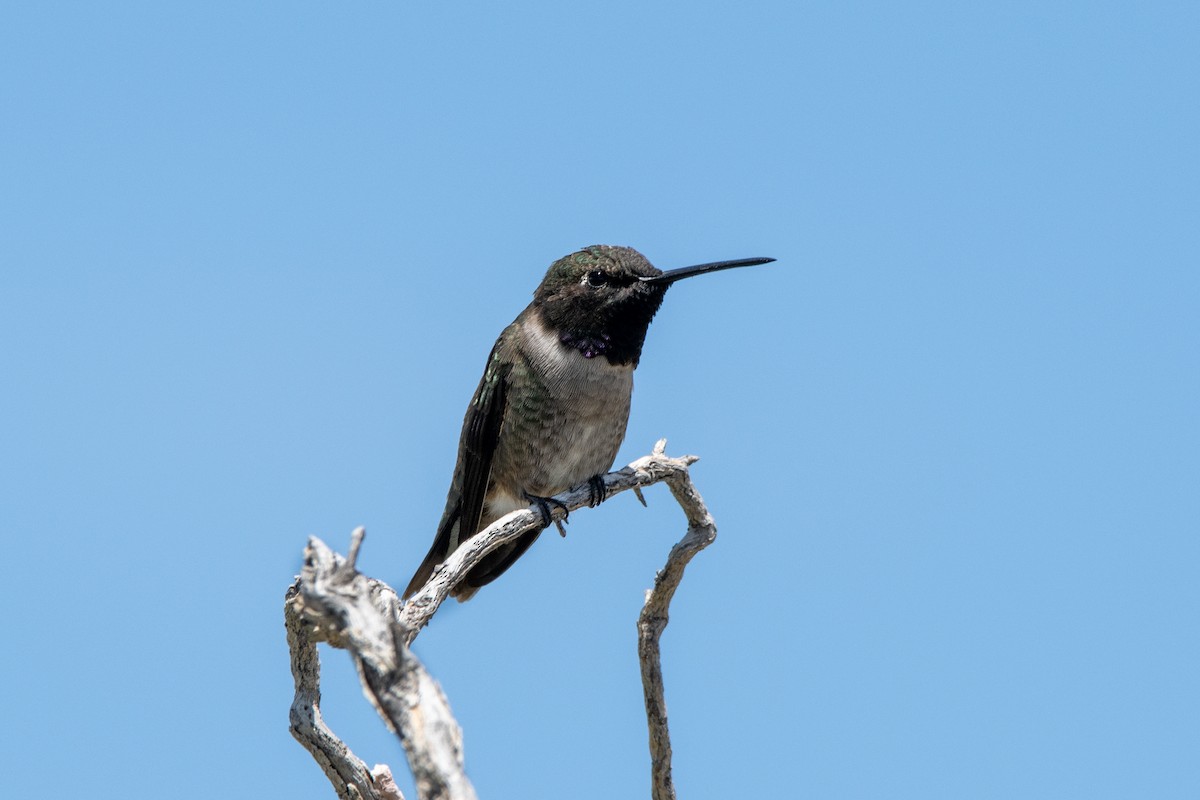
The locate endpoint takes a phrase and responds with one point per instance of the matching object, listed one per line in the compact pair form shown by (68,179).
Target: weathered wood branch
(332,602)
(349,775)
(353,612)
(645,471)
(701,532)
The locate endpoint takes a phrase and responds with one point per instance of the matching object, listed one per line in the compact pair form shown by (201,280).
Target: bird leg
(543,504)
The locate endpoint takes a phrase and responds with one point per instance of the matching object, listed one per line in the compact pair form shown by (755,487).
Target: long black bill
(672,275)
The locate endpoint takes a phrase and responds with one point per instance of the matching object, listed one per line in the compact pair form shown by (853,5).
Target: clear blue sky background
(252,258)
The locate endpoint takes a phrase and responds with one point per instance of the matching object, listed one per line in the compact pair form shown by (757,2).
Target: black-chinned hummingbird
(551,409)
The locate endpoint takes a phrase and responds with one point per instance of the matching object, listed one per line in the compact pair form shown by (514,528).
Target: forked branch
(332,602)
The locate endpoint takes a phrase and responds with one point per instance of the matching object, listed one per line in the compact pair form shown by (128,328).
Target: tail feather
(438,552)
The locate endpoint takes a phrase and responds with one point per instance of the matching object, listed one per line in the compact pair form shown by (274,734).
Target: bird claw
(597,491)
(543,504)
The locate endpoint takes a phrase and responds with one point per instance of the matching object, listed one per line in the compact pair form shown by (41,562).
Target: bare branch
(349,610)
(349,775)
(645,471)
(332,602)
(701,532)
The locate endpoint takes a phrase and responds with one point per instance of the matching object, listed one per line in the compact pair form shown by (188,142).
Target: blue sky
(252,259)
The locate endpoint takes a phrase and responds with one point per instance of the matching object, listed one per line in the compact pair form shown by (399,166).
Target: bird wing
(481,432)
(477,446)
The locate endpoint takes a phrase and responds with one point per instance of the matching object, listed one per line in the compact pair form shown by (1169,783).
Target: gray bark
(332,602)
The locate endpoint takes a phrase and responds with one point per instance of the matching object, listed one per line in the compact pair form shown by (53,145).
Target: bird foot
(543,504)
(597,491)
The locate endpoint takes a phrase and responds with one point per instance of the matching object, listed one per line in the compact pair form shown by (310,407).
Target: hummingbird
(551,409)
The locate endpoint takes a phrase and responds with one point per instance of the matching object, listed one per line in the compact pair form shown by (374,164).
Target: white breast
(568,373)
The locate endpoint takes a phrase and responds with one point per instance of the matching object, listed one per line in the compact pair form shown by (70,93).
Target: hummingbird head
(601,299)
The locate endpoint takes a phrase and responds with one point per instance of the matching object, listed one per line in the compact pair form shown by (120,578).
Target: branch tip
(356,539)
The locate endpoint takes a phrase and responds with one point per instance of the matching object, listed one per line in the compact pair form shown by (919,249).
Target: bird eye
(596,278)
